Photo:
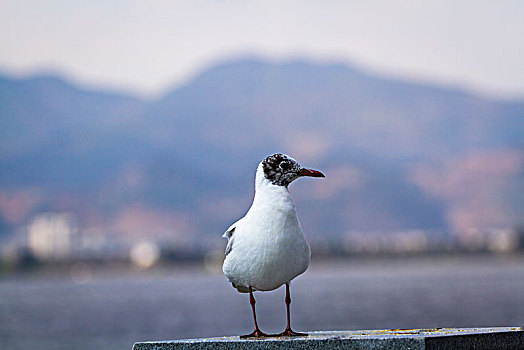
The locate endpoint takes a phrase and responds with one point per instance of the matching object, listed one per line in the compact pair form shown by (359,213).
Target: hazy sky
(150,45)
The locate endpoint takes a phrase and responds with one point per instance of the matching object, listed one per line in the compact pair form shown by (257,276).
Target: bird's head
(281,170)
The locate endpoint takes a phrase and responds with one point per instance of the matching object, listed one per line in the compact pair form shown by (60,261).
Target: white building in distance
(51,236)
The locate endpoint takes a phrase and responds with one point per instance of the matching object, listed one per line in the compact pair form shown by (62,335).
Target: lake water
(111,311)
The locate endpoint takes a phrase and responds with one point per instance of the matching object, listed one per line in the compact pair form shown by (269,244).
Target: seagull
(266,248)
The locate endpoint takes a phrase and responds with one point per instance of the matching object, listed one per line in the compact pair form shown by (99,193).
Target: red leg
(257,332)
(288,332)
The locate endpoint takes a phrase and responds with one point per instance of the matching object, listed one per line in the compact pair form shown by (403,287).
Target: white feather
(266,248)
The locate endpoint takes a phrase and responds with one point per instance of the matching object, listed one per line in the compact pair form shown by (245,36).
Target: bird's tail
(241,289)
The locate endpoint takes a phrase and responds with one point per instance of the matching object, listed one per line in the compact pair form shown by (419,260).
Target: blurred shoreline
(66,251)
(84,272)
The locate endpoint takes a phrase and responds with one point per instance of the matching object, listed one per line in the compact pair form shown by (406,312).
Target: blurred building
(51,236)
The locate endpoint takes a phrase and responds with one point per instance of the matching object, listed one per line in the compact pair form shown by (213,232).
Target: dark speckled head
(281,170)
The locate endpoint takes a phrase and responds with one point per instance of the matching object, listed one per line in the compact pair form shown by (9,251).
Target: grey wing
(229,235)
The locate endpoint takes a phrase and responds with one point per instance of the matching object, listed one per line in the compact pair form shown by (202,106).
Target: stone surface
(437,338)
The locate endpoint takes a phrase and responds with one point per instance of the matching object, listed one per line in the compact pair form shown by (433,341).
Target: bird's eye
(284,165)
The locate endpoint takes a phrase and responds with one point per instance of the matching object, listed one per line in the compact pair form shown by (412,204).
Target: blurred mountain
(397,155)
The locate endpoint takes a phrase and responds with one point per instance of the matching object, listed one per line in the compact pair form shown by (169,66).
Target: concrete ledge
(401,339)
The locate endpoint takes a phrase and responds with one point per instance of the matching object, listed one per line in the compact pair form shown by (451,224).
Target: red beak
(310,172)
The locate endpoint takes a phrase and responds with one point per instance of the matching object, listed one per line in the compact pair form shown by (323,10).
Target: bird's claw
(292,333)
(257,333)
